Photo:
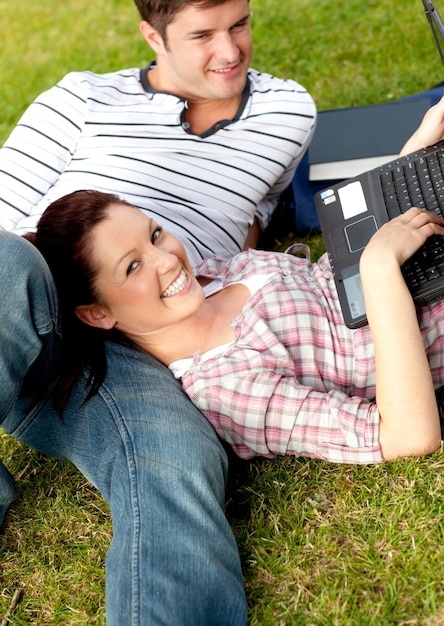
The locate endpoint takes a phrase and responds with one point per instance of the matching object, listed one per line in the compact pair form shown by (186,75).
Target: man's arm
(38,150)
(253,235)
(269,203)
(283,117)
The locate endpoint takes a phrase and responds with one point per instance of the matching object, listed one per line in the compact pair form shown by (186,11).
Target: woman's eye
(132,267)
(156,234)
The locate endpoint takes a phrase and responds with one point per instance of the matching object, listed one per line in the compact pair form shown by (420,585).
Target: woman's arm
(405,396)
(430,131)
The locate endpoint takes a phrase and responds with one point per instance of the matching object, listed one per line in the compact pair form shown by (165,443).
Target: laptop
(351,211)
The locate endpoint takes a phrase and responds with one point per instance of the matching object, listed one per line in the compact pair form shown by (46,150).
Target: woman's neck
(210,327)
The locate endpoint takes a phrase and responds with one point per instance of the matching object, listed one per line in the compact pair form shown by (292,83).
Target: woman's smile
(177,286)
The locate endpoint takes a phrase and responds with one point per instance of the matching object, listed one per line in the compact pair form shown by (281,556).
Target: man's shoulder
(271,93)
(263,81)
(128,77)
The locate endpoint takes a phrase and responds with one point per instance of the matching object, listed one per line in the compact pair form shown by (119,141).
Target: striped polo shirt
(114,133)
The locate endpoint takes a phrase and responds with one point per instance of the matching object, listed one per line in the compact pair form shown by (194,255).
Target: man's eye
(242,25)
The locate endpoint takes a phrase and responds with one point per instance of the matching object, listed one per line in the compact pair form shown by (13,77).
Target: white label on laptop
(352,200)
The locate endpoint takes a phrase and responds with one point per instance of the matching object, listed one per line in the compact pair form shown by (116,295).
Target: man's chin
(228,90)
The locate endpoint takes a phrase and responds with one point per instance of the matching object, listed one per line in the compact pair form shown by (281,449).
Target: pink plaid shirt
(295,380)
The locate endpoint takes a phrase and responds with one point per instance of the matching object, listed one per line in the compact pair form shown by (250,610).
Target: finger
(422,216)
(428,217)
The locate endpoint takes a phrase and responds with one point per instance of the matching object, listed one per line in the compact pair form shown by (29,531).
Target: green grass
(343,545)
(320,544)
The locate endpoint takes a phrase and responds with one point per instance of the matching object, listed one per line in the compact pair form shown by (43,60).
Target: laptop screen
(436,24)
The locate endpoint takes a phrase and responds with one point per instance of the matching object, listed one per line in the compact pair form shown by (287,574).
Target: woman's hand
(430,131)
(400,238)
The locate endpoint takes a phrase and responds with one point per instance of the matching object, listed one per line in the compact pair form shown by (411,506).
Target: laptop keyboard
(418,182)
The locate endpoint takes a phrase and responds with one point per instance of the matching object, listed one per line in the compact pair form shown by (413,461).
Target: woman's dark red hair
(63,238)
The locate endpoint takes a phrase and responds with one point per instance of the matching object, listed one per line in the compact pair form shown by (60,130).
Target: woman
(258,342)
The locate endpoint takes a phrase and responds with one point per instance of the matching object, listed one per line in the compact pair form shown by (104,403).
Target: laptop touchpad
(359,233)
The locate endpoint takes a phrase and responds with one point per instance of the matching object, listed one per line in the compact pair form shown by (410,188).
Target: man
(203,146)
(206,146)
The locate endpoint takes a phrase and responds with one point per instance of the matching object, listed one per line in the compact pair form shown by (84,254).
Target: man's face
(207,52)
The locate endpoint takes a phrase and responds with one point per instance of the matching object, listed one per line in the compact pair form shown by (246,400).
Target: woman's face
(145,281)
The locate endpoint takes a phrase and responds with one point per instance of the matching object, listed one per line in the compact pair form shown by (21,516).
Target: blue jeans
(152,455)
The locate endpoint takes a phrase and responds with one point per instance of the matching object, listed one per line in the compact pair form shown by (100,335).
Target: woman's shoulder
(242,264)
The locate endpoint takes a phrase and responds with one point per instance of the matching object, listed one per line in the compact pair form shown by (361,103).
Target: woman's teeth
(177,286)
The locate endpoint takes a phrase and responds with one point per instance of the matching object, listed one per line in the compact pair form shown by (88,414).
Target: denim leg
(28,331)
(183,552)
(158,463)
(8,491)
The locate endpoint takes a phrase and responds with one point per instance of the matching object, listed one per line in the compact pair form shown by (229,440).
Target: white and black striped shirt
(113,133)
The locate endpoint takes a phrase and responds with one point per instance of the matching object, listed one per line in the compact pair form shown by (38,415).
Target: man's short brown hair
(160,13)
